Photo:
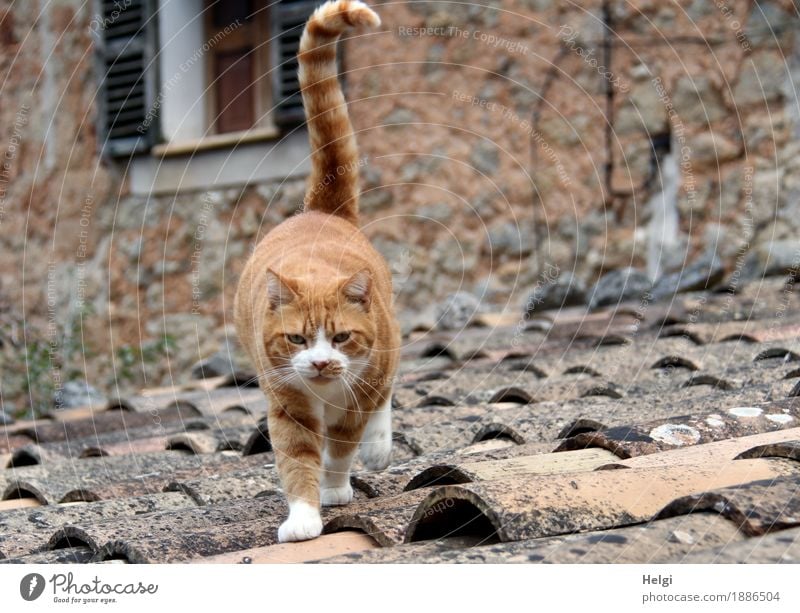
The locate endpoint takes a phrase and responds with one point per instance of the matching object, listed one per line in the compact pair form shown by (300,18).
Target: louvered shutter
(288,18)
(126,44)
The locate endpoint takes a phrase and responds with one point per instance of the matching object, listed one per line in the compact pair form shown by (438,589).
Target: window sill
(215,141)
(228,161)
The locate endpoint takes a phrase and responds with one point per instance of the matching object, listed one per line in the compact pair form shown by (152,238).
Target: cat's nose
(320,366)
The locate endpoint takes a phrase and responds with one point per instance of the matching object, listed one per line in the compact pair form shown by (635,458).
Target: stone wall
(539,133)
(500,142)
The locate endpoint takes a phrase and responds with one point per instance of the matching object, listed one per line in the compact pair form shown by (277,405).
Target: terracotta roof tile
(326,546)
(501,437)
(236,485)
(384,519)
(672,433)
(651,542)
(24,531)
(107,421)
(179,534)
(106,477)
(531,507)
(774,548)
(69,555)
(490,470)
(756,508)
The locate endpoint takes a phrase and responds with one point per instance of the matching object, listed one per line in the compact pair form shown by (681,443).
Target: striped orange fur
(314,305)
(333,146)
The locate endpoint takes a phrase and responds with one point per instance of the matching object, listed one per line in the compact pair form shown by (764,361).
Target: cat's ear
(279,290)
(358,288)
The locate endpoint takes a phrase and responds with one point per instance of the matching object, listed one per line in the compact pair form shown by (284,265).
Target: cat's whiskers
(265,375)
(358,379)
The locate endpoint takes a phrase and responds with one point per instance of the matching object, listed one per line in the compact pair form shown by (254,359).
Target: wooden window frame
(256,35)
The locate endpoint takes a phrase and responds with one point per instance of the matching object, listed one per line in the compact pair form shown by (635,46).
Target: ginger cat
(314,306)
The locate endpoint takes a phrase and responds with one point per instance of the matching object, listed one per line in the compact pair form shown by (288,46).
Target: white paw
(304,523)
(333,496)
(376,454)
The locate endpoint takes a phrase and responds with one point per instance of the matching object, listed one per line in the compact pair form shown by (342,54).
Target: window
(237,69)
(182,75)
(124,40)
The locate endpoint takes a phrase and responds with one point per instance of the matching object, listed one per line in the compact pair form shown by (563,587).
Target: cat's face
(318,333)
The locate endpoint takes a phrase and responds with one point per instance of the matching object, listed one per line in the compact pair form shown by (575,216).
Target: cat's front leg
(341,445)
(297,442)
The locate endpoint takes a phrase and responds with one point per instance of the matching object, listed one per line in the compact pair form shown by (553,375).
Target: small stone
(761,79)
(371,176)
(375,199)
(774,258)
(456,311)
(399,117)
(507,238)
(77,394)
(538,6)
(745,411)
(709,148)
(485,158)
(698,101)
(675,434)
(436,211)
(224,362)
(780,419)
(5,419)
(679,536)
(766,23)
(619,285)
(216,365)
(781,257)
(640,72)
(704,273)
(563,291)
(434,59)
(643,111)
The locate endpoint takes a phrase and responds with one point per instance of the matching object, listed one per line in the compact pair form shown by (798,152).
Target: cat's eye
(341,337)
(297,339)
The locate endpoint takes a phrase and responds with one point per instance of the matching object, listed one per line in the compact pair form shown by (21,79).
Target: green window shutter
(126,43)
(288,18)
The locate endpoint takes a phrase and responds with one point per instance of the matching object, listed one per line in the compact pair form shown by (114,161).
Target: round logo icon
(31,586)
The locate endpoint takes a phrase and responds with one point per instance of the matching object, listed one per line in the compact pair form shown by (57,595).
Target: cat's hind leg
(376,444)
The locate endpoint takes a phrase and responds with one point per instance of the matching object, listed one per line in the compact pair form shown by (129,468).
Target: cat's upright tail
(333,184)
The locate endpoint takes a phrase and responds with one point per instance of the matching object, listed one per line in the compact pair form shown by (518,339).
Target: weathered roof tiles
(645,433)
